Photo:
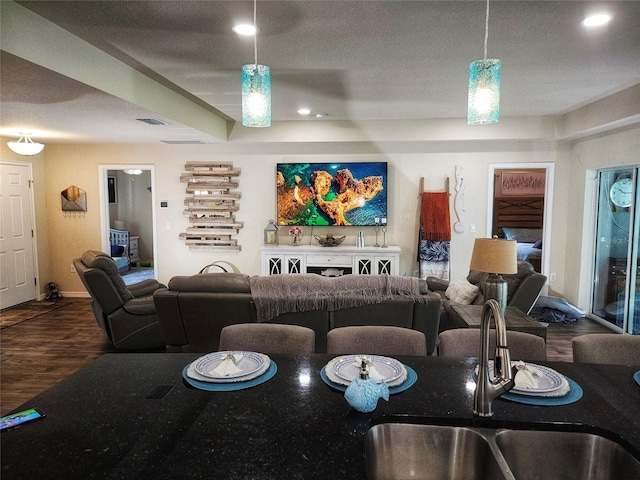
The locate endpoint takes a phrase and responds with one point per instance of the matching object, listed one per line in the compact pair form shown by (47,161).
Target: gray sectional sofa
(193,310)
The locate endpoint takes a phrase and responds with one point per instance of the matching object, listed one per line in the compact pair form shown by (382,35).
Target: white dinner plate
(345,368)
(549,381)
(250,363)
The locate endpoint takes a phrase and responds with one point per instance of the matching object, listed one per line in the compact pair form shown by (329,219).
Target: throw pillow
(117,250)
(462,291)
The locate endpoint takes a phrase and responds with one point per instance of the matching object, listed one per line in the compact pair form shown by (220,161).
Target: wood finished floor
(38,353)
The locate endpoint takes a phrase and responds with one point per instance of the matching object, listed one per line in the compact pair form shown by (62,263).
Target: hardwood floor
(38,353)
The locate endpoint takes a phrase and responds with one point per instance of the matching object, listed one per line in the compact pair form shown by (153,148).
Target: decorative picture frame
(523,183)
(112,190)
(73,199)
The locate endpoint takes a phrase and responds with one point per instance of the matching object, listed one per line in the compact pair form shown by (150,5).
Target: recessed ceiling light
(245,29)
(304,111)
(596,20)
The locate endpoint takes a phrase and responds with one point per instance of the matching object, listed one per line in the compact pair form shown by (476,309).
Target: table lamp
(495,256)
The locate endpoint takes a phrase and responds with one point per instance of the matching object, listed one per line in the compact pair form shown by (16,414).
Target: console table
(330,261)
(468,316)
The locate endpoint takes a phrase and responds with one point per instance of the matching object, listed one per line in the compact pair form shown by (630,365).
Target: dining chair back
(376,340)
(611,348)
(465,343)
(268,338)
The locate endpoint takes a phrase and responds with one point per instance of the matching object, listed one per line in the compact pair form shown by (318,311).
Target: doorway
(17,265)
(616,263)
(128,205)
(539,204)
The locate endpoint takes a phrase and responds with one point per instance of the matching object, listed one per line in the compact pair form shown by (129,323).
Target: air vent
(183,142)
(151,121)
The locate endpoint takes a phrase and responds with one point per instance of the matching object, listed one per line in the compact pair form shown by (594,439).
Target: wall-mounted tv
(331,193)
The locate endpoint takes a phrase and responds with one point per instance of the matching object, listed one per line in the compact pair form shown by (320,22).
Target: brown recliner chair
(524,288)
(126,313)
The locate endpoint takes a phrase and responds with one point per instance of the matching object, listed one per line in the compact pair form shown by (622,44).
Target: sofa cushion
(211,282)
(462,291)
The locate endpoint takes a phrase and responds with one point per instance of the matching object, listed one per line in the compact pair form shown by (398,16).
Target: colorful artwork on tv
(331,193)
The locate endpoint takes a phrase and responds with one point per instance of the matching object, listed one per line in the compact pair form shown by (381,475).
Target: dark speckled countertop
(103,421)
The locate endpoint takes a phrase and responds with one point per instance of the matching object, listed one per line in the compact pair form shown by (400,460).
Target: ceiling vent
(151,121)
(183,142)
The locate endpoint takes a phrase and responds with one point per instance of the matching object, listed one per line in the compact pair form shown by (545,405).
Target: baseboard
(75,294)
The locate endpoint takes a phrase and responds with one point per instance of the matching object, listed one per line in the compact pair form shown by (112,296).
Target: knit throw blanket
(277,294)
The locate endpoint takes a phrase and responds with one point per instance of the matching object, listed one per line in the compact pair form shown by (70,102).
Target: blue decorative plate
(229,387)
(412,377)
(636,377)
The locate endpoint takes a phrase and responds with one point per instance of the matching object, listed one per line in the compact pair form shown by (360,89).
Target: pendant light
(25,146)
(484,86)
(256,89)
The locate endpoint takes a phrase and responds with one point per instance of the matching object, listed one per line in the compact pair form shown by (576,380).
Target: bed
(521,219)
(119,240)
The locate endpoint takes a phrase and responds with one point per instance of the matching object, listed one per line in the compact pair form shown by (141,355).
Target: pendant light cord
(486,32)
(255,35)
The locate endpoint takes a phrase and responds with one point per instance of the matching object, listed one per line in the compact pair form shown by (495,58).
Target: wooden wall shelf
(210,206)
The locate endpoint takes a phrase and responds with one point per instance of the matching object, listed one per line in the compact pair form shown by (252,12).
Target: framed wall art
(522,183)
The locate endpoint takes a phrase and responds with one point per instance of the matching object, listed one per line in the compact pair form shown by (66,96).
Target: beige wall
(60,238)
(615,149)
(78,165)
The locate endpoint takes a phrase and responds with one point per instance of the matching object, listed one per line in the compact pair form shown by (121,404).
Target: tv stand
(330,261)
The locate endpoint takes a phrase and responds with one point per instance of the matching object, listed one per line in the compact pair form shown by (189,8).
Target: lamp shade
(493,255)
(256,95)
(484,92)
(25,146)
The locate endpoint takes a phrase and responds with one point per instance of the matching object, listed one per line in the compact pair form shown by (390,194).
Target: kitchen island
(129,416)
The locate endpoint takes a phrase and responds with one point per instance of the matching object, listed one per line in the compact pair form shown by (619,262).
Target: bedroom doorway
(523,205)
(127,210)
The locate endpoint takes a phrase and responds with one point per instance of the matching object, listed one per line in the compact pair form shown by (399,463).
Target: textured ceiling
(353,60)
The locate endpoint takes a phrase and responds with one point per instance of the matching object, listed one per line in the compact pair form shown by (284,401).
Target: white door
(17,277)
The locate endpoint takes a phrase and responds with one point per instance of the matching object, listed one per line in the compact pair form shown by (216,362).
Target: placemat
(229,387)
(412,377)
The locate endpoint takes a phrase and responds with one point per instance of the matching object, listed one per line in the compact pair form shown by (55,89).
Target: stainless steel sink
(410,451)
(401,450)
(565,455)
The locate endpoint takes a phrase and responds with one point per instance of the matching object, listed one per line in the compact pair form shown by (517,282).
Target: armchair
(127,314)
(524,288)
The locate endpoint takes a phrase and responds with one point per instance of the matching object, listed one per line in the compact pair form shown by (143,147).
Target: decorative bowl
(329,240)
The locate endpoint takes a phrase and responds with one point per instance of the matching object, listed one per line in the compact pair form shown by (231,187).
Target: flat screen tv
(331,193)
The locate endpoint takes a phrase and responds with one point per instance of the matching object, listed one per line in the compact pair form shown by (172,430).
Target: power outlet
(73,268)
(552,277)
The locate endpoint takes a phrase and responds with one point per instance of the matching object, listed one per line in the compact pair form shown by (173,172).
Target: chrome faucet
(486,388)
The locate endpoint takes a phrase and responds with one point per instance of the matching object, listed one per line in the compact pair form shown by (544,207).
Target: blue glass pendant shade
(484,92)
(256,95)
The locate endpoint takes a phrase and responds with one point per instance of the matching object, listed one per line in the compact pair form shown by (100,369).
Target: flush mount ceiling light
(245,29)
(25,146)
(133,171)
(304,111)
(484,86)
(256,89)
(596,20)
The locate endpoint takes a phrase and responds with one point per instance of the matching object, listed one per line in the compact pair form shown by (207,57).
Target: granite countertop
(106,421)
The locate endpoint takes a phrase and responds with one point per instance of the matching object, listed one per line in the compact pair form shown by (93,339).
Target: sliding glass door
(616,294)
